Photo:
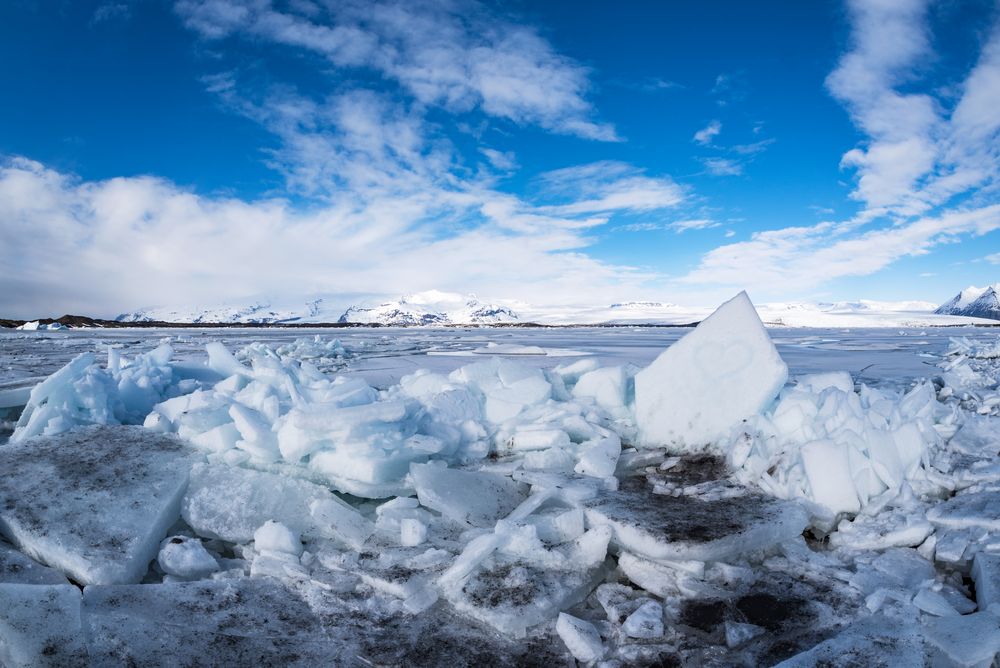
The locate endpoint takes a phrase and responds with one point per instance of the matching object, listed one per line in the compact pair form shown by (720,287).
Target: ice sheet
(93,503)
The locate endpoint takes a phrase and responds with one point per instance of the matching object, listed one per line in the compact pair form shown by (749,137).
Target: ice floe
(94,503)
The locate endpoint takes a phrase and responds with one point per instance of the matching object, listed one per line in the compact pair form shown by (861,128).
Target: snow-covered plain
(501,497)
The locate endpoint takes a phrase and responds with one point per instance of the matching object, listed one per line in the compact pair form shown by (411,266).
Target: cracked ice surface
(376,499)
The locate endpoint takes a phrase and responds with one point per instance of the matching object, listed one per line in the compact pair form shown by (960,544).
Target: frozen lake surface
(382,496)
(383,355)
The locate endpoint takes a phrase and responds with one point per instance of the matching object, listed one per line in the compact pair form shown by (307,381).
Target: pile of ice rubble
(646,517)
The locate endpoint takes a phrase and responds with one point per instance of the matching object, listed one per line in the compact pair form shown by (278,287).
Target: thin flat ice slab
(262,622)
(93,503)
(679,528)
(876,641)
(40,626)
(512,595)
(701,387)
(968,510)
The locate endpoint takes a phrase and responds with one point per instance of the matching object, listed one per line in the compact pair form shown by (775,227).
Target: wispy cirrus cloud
(922,150)
(608,186)
(708,133)
(926,174)
(678,226)
(722,166)
(459,55)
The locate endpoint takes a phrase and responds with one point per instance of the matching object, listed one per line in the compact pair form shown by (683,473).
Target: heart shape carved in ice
(716,359)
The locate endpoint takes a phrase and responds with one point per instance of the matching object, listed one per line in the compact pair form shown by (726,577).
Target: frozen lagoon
(384,354)
(772,597)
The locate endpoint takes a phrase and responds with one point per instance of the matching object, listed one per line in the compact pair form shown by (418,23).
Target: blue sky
(211,151)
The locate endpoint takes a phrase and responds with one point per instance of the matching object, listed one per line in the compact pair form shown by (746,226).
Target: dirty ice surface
(591,496)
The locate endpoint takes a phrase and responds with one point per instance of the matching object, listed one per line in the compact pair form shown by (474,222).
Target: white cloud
(65,241)
(752,149)
(456,55)
(608,186)
(709,132)
(722,166)
(678,226)
(801,257)
(110,11)
(927,172)
(918,156)
(993,258)
(502,160)
(693,224)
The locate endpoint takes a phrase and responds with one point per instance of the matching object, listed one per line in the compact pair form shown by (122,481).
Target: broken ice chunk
(738,633)
(412,531)
(94,503)
(646,622)
(896,529)
(231,503)
(607,387)
(471,497)
(40,626)
(276,537)
(964,640)
(699,388)
(661,579)
(829,474)
(222,361)
(185,557)
(818,382)
(986,574)
(933,603)
(258,439)
(581,638)
(970,509)
(512,596)
(875,641)
(336,519)
(673,528)
(599,458)
(78,393)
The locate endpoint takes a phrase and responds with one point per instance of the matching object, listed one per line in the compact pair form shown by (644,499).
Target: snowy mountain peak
(430,308)
(634,306)
(258,312)
(974,302)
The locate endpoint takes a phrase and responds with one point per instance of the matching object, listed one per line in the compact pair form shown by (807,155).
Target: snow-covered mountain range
(424,308)
(437,308)
(974,302)
(431,308)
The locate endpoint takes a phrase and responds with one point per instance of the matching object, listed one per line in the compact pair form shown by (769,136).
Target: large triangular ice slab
(701,387)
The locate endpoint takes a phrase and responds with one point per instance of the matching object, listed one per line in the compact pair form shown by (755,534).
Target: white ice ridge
(713,390)
(281,415)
